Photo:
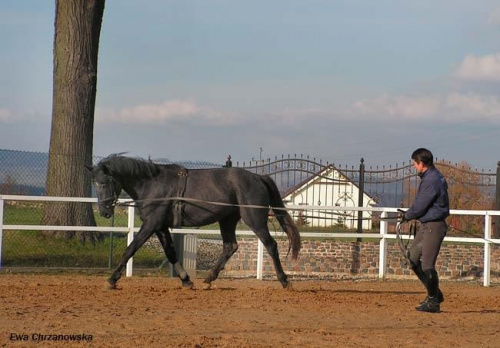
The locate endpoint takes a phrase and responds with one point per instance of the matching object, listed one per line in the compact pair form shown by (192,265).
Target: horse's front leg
(229,247)
(141,237)
(167,243)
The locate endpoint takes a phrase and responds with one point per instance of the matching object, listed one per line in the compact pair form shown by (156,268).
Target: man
(431,207)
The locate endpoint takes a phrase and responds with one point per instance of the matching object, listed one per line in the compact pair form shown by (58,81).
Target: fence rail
(383,235)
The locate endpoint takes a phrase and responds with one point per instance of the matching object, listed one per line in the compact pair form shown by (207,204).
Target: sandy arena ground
(157,312)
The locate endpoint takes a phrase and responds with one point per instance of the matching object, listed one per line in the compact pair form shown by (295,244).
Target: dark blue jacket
(432,202)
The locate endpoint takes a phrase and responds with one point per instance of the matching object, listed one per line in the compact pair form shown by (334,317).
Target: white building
(328,187)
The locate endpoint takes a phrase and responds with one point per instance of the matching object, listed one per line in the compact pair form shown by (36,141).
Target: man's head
(422,159)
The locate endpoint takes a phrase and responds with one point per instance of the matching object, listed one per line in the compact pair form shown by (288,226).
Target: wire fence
(25,173)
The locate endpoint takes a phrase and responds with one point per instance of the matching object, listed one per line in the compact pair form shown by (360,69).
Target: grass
(33,249)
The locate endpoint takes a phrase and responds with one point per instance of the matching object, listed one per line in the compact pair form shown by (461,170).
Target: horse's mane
(118,164)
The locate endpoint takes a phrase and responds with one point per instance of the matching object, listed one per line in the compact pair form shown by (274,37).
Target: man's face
(419,166)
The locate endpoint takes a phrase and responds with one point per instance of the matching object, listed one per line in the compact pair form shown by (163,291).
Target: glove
(402,218)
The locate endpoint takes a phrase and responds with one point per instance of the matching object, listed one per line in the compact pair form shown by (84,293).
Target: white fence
(383,235)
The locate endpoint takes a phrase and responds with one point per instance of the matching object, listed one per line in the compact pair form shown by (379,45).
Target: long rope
(473,235)
(194,200)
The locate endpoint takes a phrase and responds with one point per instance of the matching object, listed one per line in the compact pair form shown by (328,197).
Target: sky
(337,80)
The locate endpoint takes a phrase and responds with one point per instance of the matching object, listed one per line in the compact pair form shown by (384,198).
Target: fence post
(360,195)
(487,250)
(260,258)
(130,238)
(496,232)
(1,228)
(382,257)
(110,257)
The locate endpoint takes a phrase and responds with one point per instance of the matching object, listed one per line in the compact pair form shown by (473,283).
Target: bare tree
(76,46)
(465,193)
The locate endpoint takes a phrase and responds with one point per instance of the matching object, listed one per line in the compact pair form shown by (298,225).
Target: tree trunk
(76,46)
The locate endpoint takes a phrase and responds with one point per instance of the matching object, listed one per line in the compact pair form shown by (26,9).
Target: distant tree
(464,190)
(76,46)
(301,219)
(8,187)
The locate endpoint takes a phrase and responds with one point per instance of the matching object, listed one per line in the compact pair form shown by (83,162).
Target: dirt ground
(157,312)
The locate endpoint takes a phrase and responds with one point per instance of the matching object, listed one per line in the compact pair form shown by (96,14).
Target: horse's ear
(105,170)
(89,168)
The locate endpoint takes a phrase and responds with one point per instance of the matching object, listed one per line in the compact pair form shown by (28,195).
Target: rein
(402,245)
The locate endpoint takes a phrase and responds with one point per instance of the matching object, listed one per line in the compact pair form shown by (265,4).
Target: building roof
(322,173)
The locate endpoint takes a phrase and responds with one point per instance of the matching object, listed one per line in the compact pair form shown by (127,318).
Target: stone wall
(334,258)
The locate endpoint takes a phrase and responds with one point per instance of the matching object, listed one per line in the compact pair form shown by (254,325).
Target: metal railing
(384,236)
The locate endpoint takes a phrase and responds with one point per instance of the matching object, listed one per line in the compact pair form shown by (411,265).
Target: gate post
(360,195)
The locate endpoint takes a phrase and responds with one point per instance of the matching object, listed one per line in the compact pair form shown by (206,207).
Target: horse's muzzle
(107,214)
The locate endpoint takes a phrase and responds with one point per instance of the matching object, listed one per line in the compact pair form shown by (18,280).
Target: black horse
(170,196)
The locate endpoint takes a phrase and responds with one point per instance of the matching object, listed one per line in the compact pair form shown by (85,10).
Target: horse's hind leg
(272,248)
(257,221)
(229,247)
(167,243)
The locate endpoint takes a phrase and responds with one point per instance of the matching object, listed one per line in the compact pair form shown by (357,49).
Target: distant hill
(24,172)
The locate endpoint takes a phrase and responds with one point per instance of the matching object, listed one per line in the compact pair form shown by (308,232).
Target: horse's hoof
(288,286)
(110,285)
(207,286)
(188,285)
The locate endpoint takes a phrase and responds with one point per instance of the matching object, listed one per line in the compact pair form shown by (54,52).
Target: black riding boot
(431,304)
(417,269)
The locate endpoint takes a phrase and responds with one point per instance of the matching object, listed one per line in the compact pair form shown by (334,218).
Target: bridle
(114,199)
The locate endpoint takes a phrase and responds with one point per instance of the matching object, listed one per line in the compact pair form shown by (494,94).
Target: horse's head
(107,188)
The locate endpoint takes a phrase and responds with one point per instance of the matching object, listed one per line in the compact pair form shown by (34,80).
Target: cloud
(485,68)
(168,111)
(468,105)
(25,115)
(291,118)
(394,106)
(450,107)
(494,17)
(6,116)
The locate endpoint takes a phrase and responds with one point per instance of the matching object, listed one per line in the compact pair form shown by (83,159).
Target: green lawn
(33,249)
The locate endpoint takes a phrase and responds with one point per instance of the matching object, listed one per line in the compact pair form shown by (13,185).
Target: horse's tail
(285,220)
